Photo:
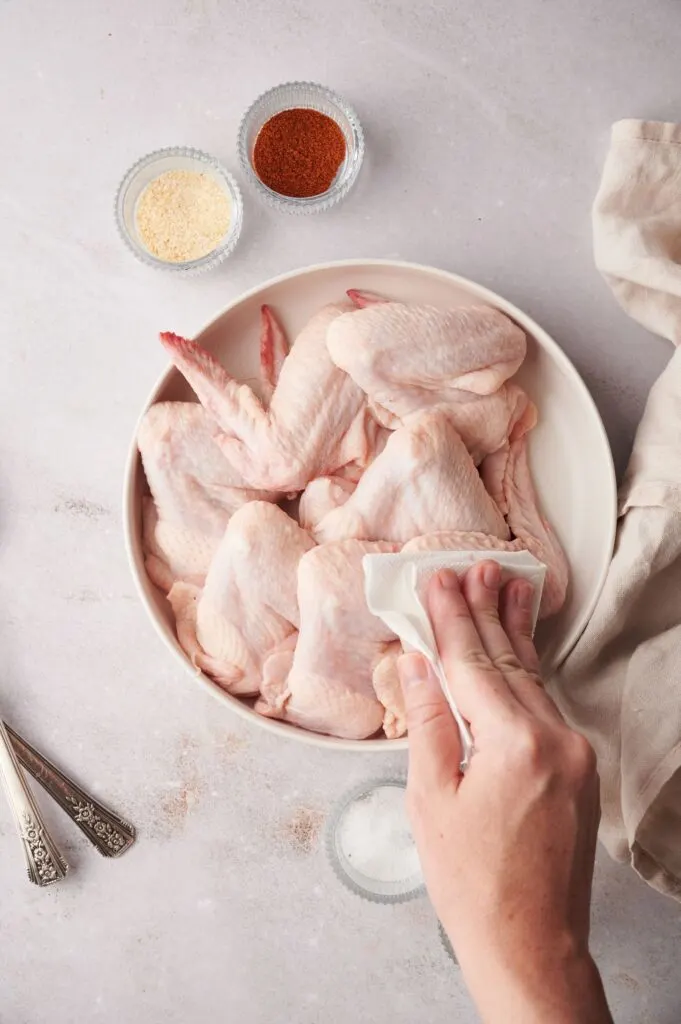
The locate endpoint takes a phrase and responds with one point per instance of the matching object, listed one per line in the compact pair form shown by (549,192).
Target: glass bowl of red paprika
(301,147)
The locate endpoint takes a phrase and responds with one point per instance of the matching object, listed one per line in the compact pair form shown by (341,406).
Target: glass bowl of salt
(179,209)
(370,845)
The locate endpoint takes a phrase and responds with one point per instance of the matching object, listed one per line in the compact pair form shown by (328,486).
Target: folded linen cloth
(637,223)
(621,686)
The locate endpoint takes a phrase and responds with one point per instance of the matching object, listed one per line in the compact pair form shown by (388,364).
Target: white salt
(375,837)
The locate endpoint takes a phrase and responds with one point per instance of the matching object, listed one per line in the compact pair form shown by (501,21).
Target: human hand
(507,849)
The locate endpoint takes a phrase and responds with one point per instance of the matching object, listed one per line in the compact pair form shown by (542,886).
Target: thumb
(434,744)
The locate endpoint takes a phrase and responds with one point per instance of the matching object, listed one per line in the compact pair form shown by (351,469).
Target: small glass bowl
(377,890)
(180,158)
(310,96)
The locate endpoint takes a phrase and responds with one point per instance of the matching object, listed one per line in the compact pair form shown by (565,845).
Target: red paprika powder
(298,152)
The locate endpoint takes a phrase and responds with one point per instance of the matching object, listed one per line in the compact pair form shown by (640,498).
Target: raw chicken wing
(321,496)
(532,529)
(326,684)
(274,348)
(326,493)
(407,358)
(386,682)
(555,583)
(424,480)
(194,491)
(248,608)
(317,419)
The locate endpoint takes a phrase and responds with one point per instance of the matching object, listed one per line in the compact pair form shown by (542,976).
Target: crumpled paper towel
(395,584)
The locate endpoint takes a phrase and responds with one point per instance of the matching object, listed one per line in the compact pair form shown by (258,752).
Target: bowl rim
(285,729)
(297,204)
(187,267)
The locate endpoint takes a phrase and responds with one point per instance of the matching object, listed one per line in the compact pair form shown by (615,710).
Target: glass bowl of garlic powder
(178,209)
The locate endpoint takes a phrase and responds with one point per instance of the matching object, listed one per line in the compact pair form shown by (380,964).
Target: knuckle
(535,678)
(457,609)
(524,675)
(507,663)
(477,660)
(528,743)
(561,754)
(487,613)
(522,638)
(425,713)
(581,757)
(514,617)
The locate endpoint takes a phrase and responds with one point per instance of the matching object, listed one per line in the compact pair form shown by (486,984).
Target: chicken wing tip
(172,340)
(361,298)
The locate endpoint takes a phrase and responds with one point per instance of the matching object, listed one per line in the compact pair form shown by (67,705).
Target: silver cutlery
(44,862)
(110,834)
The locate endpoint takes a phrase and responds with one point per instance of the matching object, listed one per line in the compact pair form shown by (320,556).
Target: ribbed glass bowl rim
(446,943)
(363,789)
(189,267)
(314,204)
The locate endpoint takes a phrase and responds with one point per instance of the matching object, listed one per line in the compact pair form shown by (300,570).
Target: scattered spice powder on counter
(182,215)
(298,152)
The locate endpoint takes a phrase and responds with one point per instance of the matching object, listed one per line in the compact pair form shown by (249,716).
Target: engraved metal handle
(44,861)
(107,832)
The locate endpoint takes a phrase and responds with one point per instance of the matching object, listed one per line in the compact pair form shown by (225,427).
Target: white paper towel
(394,586)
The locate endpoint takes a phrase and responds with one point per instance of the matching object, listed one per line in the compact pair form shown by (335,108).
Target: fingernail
(491,575)
(413,670)
(448,579)
(524,595)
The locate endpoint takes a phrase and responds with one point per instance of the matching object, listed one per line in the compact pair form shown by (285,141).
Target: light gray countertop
(486,128)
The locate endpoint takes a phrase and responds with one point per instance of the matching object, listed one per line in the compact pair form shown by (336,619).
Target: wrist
(568,991)
(538,986)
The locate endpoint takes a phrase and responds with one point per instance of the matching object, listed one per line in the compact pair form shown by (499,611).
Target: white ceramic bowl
(569,450)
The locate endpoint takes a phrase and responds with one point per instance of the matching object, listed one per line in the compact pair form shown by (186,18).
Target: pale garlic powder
(182,215)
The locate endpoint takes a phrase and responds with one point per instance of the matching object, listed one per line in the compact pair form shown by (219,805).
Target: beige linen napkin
(621,685)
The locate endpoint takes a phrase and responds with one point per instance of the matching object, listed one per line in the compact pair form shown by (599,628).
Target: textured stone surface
(486,128)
